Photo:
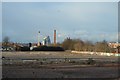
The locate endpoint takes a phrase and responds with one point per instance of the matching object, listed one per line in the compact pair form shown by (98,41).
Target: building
(46,40)
(113,44)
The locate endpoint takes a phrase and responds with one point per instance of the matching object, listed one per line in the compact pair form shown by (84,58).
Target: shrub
(25,48)
(48,48)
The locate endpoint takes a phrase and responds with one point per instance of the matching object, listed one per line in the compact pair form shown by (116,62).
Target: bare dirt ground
(79,72)
(41,54)
(58,65)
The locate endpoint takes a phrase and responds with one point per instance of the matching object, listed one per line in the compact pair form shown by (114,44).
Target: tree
(79,44)
(73,44)
(68,44)
(88,46)
(102,46)
(5,42)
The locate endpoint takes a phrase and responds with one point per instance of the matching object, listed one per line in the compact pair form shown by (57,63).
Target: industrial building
(16,46)
(46,40)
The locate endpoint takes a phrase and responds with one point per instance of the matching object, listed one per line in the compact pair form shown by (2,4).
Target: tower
(54,37)
(38,39)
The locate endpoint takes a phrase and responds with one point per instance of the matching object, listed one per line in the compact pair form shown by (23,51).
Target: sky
(94,21)
(60,0)
(0,21)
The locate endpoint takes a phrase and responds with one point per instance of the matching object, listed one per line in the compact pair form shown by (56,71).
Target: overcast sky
(94,21)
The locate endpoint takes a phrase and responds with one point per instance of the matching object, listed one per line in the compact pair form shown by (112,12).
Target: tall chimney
(54,37)
(38,38)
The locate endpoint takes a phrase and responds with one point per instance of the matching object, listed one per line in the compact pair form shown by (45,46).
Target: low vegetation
(80,45)
(48,48)
(67,44)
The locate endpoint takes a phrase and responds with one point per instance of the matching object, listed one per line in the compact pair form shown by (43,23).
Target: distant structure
(68,38)
(114,44)
(54,37)
(38,44)
(46,41)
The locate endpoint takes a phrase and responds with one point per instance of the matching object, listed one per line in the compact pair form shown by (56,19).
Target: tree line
(75,44)
(80,45)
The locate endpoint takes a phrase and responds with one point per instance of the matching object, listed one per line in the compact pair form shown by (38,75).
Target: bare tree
(88,46)
(5,42)
(102,46)
(79,45)
(68,44)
